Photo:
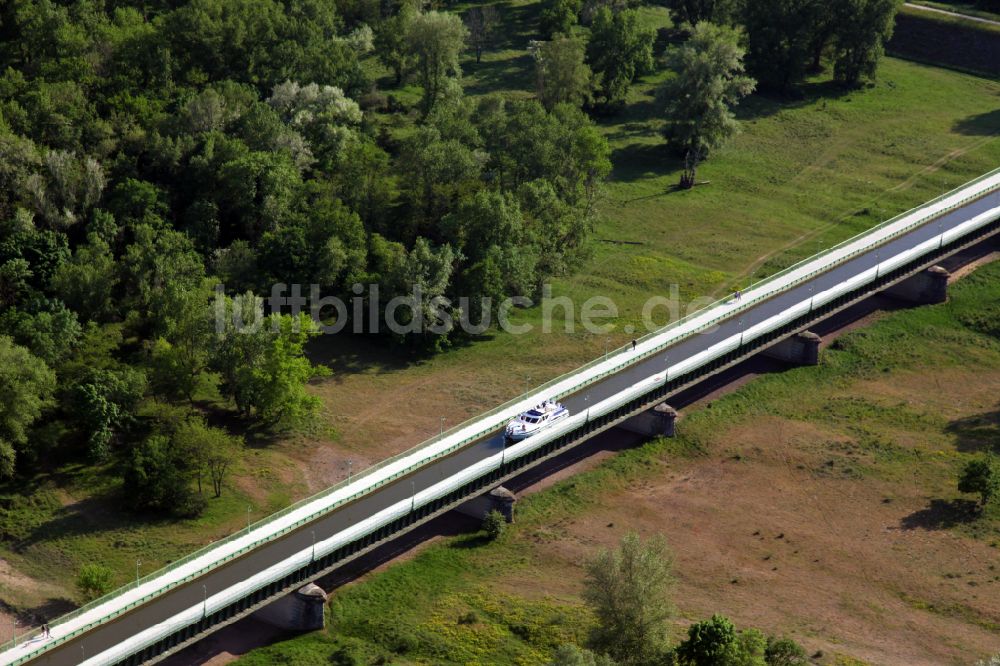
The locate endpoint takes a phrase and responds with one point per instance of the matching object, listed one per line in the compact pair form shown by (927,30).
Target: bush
(157,478)
(784,652)
(981,476)
(494,525)
(94,580)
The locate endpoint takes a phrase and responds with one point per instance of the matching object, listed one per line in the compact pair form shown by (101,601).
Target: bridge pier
(301,610)
(800,349)
(925,288)
(499,499)
(656,422)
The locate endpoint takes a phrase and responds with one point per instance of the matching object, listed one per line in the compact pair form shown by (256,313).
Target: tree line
(153,150)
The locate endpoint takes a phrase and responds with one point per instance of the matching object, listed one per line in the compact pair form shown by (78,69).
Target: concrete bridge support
(499,499)
(656,422)
(301,610)
(800,349)
(924,288)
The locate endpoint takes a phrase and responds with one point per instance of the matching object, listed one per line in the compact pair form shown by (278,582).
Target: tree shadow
(519,23)
(50,608)
(640,161)
(89,516)
(942,514)
(982,124)
(495,74)
(979,432)
(632,120)
(470,541)
(347,354)
(518,26)
(767,103)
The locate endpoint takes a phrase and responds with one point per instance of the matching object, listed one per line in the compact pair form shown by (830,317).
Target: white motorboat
(535,420)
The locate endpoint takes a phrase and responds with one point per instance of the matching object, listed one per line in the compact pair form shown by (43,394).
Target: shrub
(981,476)
(784,652)
(494,525)
(94,580)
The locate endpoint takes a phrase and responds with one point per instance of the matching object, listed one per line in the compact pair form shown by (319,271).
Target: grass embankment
(959,7)
(803,174)
(949,41)
(818,502)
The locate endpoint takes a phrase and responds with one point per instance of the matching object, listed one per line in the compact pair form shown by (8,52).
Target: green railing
(632,359)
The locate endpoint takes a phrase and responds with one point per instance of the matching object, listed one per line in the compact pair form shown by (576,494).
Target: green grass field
(804,173)
(459,605)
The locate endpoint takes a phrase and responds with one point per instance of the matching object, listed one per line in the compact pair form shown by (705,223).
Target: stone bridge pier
(302,610)
(499,499)
(800,349)
(656,422)
(925,288)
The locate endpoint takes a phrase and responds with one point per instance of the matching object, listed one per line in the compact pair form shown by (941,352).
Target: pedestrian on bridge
(633,344)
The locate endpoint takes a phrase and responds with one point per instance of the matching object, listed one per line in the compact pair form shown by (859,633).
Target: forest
(152,150)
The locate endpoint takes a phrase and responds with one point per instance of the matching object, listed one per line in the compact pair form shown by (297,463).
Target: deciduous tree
(94,580)
(26,387)
(65,188)
(561,73)
(157,477)
(558,17)
(494,525)
(709,82)
(435,40)
(716,642)
(180,356)
(628,590)
(481,21)
(262,362)
(159,268)
(780,39)
(212,451)
(390,41)
(619,50)
(693,12)
(104,402)
(784,652)
(981,476)
(50,332)
(861,29)
(87,281)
